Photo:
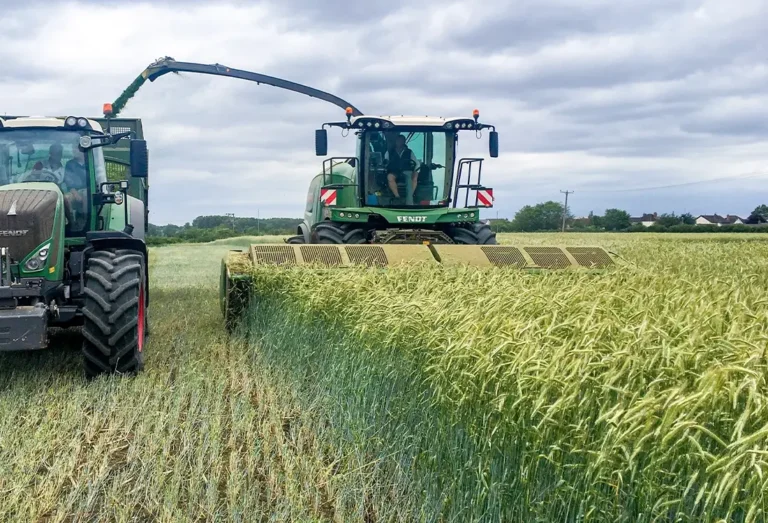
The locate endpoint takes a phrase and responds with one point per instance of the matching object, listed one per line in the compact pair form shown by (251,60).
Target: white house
(716,219)
(646,219)
(709,219)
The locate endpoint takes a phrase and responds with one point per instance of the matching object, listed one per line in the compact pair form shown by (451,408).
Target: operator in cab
(50,169)
(402,165)
(75,187)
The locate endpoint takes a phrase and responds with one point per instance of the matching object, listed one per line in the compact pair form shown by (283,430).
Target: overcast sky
(604,97)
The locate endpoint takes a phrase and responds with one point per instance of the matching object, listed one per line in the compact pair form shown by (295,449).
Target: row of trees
(548,216)
(210,228)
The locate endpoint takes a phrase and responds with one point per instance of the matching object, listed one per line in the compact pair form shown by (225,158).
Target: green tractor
(72,250)
(404,186)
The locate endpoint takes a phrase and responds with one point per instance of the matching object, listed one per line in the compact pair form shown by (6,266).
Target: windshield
(43,155)
(408,168)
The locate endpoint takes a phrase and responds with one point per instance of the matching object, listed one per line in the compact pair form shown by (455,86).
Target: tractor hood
(29,217)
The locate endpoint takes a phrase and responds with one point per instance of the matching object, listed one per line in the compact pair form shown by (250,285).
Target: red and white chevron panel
(485,197)
(328,196)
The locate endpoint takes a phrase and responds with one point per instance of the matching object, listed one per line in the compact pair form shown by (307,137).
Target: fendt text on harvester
(404,196)
(72,231)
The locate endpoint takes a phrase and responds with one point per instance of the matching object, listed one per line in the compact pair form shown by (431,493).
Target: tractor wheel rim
(142,313)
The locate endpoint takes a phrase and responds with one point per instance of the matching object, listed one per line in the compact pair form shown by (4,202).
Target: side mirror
(139,159)
(321,142)
(493,144)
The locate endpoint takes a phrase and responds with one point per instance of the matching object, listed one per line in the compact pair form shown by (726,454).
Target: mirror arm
(344,125)
(114,138)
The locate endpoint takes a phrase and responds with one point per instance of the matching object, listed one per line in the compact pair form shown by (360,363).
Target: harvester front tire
(485,235)
(295,239)
(474,234)
(115,324)
(355,236)
(338,233)
(328,233)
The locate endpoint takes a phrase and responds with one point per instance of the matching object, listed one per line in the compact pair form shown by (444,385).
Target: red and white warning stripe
(485,197)
(328,196)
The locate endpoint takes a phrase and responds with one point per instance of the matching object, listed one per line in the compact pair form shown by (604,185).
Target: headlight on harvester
(35,263)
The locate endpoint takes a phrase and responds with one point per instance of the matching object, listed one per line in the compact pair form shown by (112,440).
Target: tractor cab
(66,156)
(410,162)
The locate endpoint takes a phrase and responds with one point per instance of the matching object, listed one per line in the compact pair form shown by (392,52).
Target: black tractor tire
(355,236)
(115,324)
(473,234)
(328,232)
(295,239)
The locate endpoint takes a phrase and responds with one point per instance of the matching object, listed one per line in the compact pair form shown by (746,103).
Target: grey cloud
(529,24)
(337,12)
(602,94)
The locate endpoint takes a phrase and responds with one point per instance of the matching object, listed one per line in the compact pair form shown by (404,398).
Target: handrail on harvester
(168,65)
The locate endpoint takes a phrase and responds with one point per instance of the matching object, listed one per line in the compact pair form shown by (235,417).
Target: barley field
(415,395)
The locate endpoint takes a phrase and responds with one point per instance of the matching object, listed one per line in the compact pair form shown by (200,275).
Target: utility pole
(232,215)
(565,209)
(258,225)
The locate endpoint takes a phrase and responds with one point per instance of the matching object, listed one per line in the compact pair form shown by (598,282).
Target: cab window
(53,156)
(432,152)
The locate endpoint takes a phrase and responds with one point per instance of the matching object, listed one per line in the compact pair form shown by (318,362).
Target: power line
(741,176)
(565,209)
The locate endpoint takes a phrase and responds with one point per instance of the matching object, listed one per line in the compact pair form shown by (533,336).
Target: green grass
(636,395)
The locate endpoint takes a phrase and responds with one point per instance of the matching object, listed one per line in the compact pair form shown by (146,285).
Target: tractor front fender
(305,231)
(115,240)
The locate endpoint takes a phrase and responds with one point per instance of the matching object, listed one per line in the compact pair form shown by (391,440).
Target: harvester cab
(404,186)
(72,240)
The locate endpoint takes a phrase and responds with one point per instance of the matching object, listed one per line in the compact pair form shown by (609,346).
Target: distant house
(646,219)
(716,219)
(709,219)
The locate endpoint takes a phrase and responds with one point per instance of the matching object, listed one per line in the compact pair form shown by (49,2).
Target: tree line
(209,228)
(548,216)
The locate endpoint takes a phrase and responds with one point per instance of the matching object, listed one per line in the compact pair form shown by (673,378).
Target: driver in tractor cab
(49,168)
(401,163)
(75,186)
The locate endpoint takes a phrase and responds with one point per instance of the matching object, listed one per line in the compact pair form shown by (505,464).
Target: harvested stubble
(636,395)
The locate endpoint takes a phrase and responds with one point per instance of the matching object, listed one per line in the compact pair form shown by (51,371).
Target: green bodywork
(347,207)
(53,268)
(109,217)
(117,156)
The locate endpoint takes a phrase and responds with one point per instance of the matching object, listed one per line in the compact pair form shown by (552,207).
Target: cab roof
(42,121)
(430,121)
